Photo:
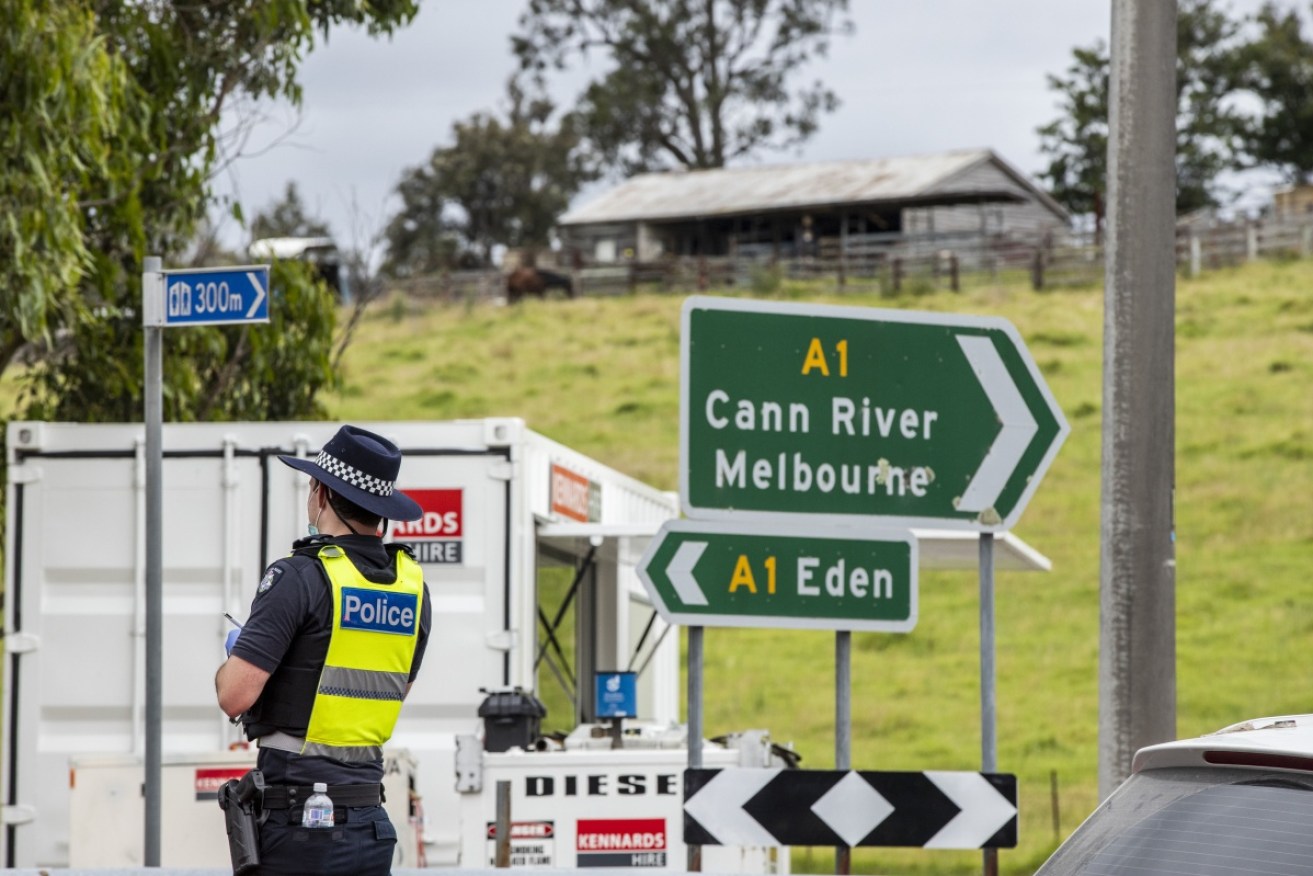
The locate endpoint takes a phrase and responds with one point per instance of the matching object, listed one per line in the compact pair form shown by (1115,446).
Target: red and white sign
(621,842)
(573,495)
(526,830)
(209,780)
(533,843)
(442,515)
(435,538)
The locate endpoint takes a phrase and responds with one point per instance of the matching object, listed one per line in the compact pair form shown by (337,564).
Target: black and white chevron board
(739,806)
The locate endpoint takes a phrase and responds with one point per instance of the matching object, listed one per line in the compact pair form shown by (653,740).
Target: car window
(1196,822)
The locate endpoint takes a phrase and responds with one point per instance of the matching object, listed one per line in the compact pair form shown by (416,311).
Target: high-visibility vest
(375,630)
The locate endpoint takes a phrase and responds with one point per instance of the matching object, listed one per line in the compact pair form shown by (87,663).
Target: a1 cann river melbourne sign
(844,412)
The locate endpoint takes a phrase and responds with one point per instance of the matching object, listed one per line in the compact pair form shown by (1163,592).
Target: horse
(534,281)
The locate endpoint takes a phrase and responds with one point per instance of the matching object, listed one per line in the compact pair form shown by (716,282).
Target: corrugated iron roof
(740,190)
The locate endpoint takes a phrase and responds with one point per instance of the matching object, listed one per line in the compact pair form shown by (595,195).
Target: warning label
(533,843)
(621,842)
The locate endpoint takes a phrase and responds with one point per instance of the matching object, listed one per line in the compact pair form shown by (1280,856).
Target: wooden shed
(787,210)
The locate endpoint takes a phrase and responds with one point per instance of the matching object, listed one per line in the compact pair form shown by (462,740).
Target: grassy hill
(601,375)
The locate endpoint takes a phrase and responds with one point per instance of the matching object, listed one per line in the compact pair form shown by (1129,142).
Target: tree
(421,238)
(62,95)
(693,83)
(115,111)
(502,181)
(257,372)
(288,218)
(1278,69)
(1077,141)
(1207,125)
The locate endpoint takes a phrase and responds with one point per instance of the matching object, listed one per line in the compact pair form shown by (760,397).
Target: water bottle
(318,808)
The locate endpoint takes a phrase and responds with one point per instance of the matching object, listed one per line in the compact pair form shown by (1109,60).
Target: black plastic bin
(510,718)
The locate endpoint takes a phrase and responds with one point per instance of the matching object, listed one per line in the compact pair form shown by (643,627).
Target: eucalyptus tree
(109,115)
(688,83)
(1208,124)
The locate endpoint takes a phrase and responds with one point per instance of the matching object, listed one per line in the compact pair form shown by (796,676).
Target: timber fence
(893,264)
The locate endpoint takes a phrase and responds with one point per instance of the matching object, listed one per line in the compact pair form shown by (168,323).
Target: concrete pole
(1137,634)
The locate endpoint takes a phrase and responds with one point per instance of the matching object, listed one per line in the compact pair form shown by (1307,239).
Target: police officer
(317,675)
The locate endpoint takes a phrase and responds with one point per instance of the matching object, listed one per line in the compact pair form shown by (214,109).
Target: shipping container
(499,499)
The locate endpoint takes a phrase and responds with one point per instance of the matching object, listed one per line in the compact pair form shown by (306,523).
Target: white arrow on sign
(720,802)
(680,572)
(1019,427)
(984,810)
(259,294)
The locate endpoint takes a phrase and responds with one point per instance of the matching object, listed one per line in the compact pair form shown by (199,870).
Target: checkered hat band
(353,475)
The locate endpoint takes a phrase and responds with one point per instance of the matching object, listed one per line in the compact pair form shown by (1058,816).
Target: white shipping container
(500,497)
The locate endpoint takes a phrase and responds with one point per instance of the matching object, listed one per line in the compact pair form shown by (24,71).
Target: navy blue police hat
(362,468)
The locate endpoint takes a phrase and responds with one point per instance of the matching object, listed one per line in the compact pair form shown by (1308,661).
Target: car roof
(1283,742)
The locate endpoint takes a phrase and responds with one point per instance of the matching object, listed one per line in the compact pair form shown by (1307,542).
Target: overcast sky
(916,76)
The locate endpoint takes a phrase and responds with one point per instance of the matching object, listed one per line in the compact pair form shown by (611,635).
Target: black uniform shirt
(290,626)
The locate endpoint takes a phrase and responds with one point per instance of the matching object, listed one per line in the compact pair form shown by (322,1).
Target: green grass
(601,375)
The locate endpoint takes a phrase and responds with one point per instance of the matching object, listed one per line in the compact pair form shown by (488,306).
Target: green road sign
(919,419)
(760,574)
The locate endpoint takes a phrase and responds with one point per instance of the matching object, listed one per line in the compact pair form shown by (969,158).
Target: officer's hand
(230,641)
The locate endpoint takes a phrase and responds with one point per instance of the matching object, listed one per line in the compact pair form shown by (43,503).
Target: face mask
(312,528)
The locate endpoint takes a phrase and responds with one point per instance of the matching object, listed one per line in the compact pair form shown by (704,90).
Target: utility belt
(246,802)
(294,796)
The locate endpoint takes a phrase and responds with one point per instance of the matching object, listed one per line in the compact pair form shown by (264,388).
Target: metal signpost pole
(154,402)
(201,296)
(988,720)
(694,723)
(843,725)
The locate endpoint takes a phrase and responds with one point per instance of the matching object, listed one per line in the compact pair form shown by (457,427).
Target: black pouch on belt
(240,801)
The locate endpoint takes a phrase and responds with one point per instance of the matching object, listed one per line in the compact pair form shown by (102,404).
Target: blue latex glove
(230,641)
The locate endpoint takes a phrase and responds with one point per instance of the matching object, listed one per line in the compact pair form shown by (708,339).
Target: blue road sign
(617,694)
(216,296)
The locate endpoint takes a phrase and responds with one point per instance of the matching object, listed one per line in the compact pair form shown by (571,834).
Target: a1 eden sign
(437,536)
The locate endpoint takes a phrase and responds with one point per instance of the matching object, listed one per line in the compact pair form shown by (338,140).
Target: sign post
(769,807)
(846,413)
(744,574)
(801,416)
(204,296)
